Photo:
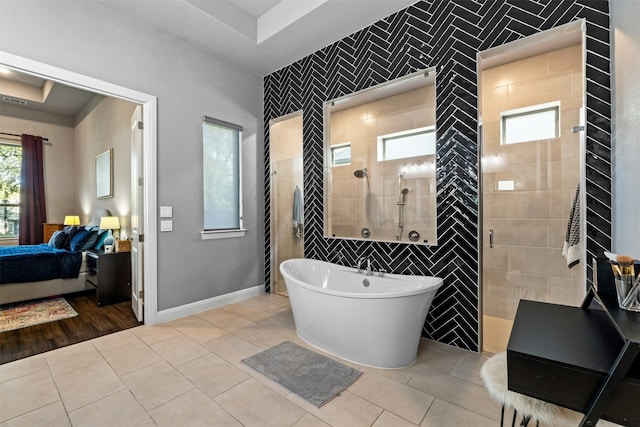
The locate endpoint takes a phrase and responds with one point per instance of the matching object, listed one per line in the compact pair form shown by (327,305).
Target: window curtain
(33,211)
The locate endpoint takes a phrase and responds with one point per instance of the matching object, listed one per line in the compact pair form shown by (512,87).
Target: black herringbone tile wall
(445,34)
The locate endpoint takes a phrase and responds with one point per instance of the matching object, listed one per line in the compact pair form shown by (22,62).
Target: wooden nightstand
(111,275)
(48,229)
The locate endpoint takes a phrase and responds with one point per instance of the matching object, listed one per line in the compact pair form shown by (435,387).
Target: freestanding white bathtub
(369,320)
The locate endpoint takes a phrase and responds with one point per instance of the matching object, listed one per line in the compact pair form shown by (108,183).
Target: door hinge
(141,238)
(577,129)
(140,181)
(141,294)
(140,125)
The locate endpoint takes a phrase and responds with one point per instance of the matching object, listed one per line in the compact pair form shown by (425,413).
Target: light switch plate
(166,211)
(166,225)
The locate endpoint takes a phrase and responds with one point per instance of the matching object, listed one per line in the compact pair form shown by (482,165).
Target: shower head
(404,191)
(360,173)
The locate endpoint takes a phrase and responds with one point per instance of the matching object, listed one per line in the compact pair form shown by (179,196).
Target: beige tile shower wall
(287,139)
(286,167)
(530,222)
(357,203)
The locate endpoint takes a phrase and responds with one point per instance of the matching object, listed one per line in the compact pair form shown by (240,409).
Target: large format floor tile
(189,372)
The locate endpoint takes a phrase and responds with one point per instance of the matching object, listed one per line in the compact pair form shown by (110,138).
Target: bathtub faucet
(368,270)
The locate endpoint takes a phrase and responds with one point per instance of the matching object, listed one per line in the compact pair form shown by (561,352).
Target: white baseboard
(207,304)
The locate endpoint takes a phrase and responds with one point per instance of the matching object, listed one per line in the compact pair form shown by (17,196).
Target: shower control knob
(365,232)
(414,236)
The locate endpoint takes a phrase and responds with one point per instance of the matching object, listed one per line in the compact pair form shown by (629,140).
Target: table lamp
(72,220)
(109,223)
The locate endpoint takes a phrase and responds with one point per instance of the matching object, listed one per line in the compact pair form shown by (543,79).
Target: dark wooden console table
(582,358)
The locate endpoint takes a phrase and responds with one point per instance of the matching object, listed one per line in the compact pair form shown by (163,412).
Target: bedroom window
(222,172)
(10,159)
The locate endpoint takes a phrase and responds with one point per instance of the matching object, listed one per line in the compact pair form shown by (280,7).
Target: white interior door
(137,223)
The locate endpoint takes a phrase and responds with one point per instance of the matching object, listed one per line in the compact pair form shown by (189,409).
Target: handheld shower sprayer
(401,203)
(404,193)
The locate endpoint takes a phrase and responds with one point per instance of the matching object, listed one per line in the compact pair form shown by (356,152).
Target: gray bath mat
(310,375)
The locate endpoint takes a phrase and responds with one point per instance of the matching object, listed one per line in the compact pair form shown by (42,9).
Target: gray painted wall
(626,126)
(93,39)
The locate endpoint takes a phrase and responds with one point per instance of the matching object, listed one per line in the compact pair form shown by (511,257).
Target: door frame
(137,212)
(149,115)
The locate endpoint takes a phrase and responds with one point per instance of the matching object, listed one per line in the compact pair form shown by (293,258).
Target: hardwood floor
(91,322)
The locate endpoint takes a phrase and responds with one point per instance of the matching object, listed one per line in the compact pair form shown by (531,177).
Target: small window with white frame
(341,154)
(409,143)
(222,179)
(531,123)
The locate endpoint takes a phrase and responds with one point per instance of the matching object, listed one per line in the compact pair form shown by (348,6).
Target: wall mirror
(380,162)
(104,175)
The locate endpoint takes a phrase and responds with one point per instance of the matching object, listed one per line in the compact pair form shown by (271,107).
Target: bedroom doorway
(149,160)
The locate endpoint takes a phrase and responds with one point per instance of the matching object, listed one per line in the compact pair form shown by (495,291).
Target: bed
(53,268)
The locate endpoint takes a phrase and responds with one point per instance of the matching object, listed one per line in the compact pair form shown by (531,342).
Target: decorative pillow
(69,231)
(57,239)
(78,240)
(91,240)
(101,238)
(92,228)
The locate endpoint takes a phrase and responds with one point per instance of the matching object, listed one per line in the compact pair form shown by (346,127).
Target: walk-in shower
(364,153)
(529,180)
(287,216)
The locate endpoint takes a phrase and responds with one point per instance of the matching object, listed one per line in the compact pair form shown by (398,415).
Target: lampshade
(110,223)
(72,220)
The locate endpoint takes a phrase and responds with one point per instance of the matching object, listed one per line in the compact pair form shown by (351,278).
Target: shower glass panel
(380,158)
(287,221)
(529,187)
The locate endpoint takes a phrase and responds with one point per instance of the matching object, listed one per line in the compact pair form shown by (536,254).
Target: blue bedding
(33,263)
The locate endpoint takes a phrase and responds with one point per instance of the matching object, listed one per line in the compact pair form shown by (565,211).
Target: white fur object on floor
(494,375)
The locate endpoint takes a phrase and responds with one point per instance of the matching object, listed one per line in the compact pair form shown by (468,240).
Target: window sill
(222,234)
(9,241)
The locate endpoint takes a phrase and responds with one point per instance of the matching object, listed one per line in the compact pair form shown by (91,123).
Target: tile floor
(188,373)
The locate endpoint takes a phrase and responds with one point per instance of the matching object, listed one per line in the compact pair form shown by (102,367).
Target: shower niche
(380,162)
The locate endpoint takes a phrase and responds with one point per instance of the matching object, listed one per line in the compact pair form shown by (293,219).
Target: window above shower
(532,123)
(408,143)
(380,146)
(341,154)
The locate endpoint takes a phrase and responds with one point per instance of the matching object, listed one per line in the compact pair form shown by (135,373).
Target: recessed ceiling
(19,91)
(261,35)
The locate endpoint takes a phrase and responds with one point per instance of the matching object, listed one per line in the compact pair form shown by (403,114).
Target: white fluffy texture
(494,375)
